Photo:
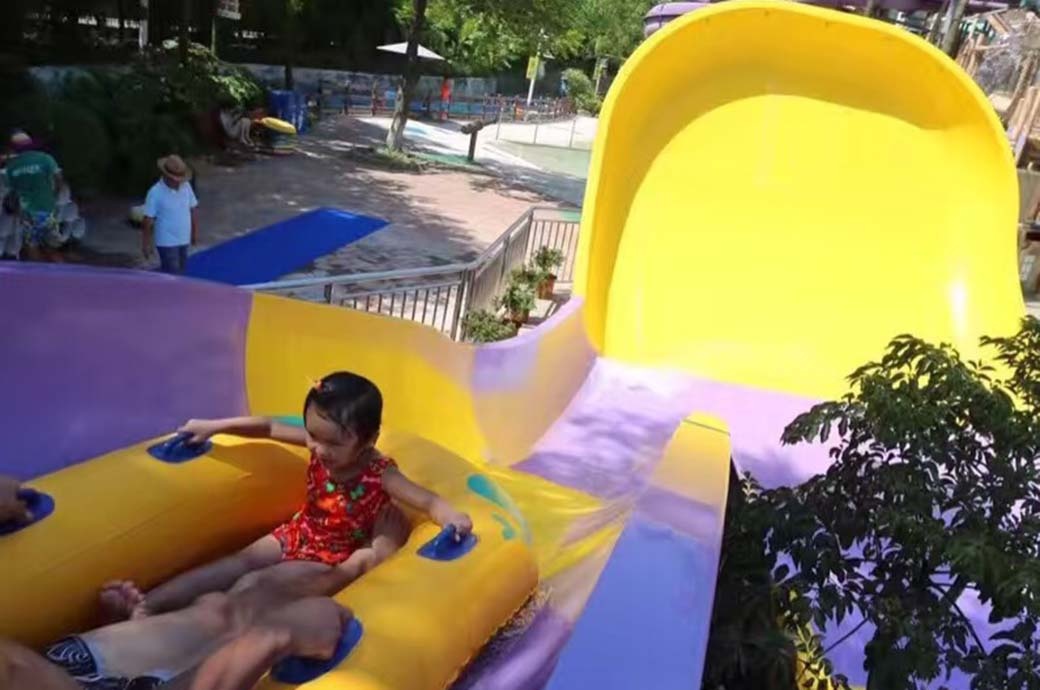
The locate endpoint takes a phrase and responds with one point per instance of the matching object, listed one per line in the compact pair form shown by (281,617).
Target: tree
(518,27)
(612,28)
(952,31)
(395,135)
(183,35)
(934,493)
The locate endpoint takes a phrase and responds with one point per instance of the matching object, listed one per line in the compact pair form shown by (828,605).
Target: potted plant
(482,326)
(527,275)
(546,260)
(518,301)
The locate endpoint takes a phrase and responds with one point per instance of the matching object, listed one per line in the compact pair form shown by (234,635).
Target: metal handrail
(401,273)
(471,285)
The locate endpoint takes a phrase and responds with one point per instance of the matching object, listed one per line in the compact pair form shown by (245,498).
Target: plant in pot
(546,260)
(526,275)
(482,326)
(518,301)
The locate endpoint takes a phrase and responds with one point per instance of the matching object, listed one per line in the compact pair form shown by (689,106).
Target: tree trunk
(184,36)
(936,28)
(871,8)
(289,44)
(13,28)
(206,11)
(953,29)
(395,137)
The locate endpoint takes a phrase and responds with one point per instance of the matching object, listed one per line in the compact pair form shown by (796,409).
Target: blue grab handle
(39,504)
(447,546)
(296,670)
(177,449)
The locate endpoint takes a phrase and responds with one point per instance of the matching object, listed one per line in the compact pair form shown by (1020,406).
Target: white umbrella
(402,49)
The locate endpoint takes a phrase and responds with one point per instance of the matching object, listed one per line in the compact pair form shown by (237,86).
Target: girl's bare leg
(122,600)
(388,535)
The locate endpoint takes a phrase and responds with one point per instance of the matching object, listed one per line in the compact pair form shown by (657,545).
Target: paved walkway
(435,217)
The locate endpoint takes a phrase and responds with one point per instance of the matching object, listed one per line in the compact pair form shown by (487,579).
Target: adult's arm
(11,508)
(22,668)
(194,227)
(242,662)
(309,627)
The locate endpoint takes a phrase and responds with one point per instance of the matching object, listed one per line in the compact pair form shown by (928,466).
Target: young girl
(348,520)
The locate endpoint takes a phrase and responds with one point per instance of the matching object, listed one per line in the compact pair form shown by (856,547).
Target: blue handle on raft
(177,449)
(296,670)
(447,546)
(39,504)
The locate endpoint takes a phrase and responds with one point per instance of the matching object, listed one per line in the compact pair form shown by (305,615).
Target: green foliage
(82,144)
(518,297)
(612,27)
(525,275)
(547,260)
(107,128)
(483,36)
(204,83)
(482,326)
(934,493)
(75,135)
(582,90)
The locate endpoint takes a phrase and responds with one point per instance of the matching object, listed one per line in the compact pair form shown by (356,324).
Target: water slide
(776,190)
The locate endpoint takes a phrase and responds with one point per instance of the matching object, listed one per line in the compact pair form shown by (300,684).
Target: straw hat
(173,166)
(20,141)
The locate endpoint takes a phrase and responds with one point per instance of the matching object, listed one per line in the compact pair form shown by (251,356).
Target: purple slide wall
(92,360)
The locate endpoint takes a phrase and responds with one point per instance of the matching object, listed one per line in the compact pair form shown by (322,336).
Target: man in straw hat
(170,222)
(34,179)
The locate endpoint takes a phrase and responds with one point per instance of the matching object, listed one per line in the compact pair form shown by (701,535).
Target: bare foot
(121,600)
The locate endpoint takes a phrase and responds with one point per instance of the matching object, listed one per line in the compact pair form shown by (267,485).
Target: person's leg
(167,259)
(389,534)
(182,259)
(182,590)
(147,651)
(213,577)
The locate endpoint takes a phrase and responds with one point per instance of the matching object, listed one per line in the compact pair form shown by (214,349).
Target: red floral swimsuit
(337,519)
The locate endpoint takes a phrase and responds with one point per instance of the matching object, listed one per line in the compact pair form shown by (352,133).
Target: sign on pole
(229,9)
(532,67)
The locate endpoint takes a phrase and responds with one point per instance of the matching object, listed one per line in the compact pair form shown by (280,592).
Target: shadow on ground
(435,217)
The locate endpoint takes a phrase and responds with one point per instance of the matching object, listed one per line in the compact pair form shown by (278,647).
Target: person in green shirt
(35,178)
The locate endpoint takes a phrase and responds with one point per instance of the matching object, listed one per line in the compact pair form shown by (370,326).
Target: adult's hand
(308,627)
(314,625)
(11,507)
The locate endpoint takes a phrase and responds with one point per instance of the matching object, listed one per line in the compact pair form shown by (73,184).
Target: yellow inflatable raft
(129,515)
(280,126)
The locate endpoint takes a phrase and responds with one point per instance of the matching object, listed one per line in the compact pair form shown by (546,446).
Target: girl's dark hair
(351,401)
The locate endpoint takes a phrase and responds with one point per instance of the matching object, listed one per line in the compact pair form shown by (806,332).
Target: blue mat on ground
(269,253)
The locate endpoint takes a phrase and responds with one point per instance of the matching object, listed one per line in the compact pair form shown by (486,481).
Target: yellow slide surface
(777,190)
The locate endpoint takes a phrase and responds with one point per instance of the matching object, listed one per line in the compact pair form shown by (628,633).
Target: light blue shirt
(171,209)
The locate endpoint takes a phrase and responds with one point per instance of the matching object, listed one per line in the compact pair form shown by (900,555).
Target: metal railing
(441,296)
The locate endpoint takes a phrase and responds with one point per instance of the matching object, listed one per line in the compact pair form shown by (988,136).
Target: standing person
(35,178)
(445,98)
(170,219)
(375,96)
